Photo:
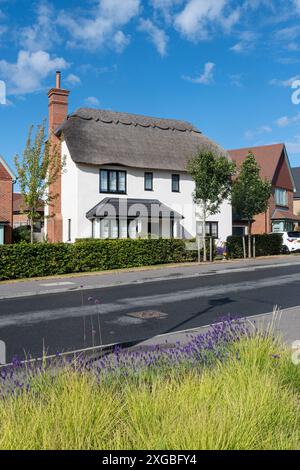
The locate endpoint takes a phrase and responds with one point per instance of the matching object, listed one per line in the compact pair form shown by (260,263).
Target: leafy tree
(250,193)
(39,167)
(212,174)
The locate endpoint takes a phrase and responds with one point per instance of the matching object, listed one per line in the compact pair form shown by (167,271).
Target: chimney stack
(58,74)
(58,112)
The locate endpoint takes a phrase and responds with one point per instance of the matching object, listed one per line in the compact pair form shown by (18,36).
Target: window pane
(214,229)
(148,181)
(280,196)
(175,183)
(122,228)
(114,228)
(122,181)
(113,181)
(104,228)
(132,228)
(104,181)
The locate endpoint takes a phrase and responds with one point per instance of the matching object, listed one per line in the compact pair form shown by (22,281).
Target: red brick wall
(6,201)
(282,179)
(58,111)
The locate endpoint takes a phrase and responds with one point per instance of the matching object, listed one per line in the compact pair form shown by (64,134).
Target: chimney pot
(57,79)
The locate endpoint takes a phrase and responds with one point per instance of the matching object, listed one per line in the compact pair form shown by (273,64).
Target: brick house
(275,166)
(21,219)
(7,179)
(296,176)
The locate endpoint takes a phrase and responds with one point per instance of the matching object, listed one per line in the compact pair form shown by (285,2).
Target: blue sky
(225,65)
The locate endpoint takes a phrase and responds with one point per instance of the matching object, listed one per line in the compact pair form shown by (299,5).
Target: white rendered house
(125,176)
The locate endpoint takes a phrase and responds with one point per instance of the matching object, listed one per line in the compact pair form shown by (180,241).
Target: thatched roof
(101,137)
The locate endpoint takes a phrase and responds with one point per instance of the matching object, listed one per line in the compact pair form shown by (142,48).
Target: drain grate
(147,314)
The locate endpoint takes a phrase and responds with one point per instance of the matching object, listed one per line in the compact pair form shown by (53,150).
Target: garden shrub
(21,234)
(265,245)
(31,260)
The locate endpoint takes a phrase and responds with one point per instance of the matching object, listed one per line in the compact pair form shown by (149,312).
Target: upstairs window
(175,183)
(280,197)
(113,181)
(148,181)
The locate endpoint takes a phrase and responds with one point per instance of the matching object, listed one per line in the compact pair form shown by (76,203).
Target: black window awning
(132,208)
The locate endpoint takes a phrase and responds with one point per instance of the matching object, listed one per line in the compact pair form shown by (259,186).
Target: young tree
(212,174)
(39,167)
(250,193)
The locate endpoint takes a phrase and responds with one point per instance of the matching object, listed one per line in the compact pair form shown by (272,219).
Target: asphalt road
(72,320)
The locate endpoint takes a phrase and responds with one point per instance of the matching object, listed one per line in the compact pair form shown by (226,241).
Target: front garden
(27,260)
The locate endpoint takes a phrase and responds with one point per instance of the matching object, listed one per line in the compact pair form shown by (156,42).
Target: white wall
(80,192)
(69,196)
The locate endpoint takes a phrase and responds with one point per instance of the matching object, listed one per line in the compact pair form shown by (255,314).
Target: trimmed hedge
(265,245)
(26,260)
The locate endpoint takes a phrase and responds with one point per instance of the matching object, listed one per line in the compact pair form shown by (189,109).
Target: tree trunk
(249,239)
(31,215)
(31,231)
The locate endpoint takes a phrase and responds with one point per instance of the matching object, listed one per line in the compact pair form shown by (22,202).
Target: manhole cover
(147,314)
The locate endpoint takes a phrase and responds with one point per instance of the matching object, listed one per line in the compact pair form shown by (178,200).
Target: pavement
(142,307)
(284,323)
(72,282)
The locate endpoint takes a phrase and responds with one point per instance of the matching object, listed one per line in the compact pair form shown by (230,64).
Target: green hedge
(265,245)
(26,260)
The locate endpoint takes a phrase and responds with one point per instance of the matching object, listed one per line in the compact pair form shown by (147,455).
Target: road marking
(144,302)
(56,284)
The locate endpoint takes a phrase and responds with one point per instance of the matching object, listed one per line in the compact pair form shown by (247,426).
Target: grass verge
(222,391)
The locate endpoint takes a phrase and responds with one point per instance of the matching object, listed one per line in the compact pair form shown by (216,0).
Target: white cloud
(3,27)
(73,79)
(198,17)
(284,83)
(246,42)
(103,26)
(264,129)
(297,4)
(206,78)
(285,121)
(288,34)
(42,34)
(29,71)
(120,41)
(157,35)
(165,7)
(92,101)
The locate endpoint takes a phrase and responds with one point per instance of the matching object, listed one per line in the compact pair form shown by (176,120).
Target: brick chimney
(58,111)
